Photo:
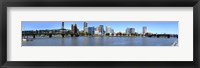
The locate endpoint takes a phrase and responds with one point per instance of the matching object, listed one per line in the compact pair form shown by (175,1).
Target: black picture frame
(98,3)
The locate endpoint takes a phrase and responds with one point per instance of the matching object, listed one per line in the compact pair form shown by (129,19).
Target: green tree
(86,33)
(128,34)
(112,34)
(89,34)
(82,33)
(107,34)
(132,34)
(124,34)
(120,34)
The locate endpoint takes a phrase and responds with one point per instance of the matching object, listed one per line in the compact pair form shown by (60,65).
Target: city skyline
(168,27)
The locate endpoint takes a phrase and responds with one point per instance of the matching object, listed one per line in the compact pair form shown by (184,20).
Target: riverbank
(97,36)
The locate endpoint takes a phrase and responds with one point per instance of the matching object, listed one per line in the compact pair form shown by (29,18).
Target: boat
(24,39)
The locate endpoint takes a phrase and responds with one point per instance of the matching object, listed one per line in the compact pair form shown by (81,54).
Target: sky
(160,27)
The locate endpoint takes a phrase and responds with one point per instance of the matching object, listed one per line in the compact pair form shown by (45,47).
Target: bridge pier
(168,36)
(158,36)
(63,35)
(50,35)
(33,35)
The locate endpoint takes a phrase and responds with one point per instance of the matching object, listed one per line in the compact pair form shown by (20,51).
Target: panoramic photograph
(99,33)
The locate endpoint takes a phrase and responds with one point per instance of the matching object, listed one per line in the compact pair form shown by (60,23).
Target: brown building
(74,28)
(85,26)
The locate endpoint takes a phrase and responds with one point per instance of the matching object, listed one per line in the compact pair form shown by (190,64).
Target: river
(100,41)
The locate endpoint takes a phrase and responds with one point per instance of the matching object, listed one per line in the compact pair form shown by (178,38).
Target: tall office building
(85,26)
(130,30)
(127,30)
(86,29)
(62,30)
(91,30)
(144,30)
(74,28)
(101,29)
(96,30)
(108,29)
(62,25)
(112,30)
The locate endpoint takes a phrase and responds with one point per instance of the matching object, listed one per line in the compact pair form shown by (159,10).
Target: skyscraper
(91,30)
(130,30)
(127,30)
(144,30)
(85,26)
(86,29)
(74,28)
(96,30)
(62,25)
(107,29)
(112,30)
(101,29)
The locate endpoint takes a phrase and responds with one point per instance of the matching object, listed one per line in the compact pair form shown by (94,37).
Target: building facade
(74,28)
(97,30)
(101,29)
(91,30)
(144,30)
(63,24)
(85,27)
(130,30)
(109,29)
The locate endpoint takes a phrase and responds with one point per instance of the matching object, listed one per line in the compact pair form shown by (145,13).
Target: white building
(86,29)
(144,30)
(109,30)
(130,30)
